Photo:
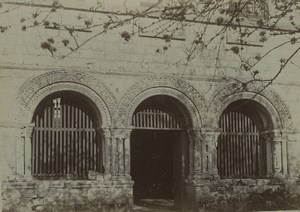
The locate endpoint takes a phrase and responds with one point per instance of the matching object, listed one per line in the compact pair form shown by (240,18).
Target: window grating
(241,150)
(157,118)
(65,142)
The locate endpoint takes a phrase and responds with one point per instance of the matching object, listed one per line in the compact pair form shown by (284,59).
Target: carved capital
(106,132)
(210,136)
(122,133)
(27,131)
(195,134)
(273,136)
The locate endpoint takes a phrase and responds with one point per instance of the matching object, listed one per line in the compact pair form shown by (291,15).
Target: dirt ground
(151,205)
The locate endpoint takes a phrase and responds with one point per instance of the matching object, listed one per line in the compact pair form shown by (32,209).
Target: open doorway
(159,154)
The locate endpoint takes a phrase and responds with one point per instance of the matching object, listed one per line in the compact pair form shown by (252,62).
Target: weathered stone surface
(117,77)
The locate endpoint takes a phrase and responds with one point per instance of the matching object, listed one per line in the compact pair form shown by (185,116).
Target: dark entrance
(159,152)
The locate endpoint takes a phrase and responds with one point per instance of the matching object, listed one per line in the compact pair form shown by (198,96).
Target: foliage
(279,199)
(240,18)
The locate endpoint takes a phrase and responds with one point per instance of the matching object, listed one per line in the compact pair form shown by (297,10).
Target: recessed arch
(277,118)
(161,112)
(188,96)
(242,150)
(261,103)
(37,88)
(159,141)
(267,98)
(66,141)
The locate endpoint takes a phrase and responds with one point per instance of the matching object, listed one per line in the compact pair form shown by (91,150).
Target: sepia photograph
(149,105)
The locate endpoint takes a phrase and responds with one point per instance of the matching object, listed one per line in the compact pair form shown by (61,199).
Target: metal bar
(68,146)
(243,145)
(80,142)
(63,140)
(226,145)
(71,139)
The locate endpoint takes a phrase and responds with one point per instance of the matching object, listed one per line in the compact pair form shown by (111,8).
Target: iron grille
(241,150)
(157,118)
(65,143)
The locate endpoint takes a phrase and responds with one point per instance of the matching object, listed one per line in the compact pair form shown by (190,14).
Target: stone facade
(117,77)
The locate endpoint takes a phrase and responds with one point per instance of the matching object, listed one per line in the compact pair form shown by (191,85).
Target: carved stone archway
(268,98)
(37,88)
(193,105)
(179,89)
(276,135)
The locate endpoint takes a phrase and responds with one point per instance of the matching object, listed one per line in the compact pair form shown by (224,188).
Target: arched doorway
(66,142)
(159,150)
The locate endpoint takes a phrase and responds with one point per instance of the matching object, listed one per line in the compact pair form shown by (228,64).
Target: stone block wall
(23,196)
(246,195)
(123,68)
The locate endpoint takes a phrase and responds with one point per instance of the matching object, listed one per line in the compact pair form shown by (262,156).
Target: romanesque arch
(276,132)
(268,98)
(170,86)
(190,101)
(37,88)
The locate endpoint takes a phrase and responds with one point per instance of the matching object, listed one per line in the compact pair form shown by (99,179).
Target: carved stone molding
(37,88)
(122,133)
(209,151)
(190,98)
(195,160)
(27,131)
(268,98)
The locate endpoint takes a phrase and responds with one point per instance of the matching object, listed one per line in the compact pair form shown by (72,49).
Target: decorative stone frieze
(267,97)
(37,88)
(192,101)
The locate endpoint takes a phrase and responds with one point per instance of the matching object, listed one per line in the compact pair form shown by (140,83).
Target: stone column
(284,154)
(121,152)
(24,152)
(279,142)
(277,154)
(276,149)
(195,146)
(277,165)
(269,156)
(209,149)
(107,150)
